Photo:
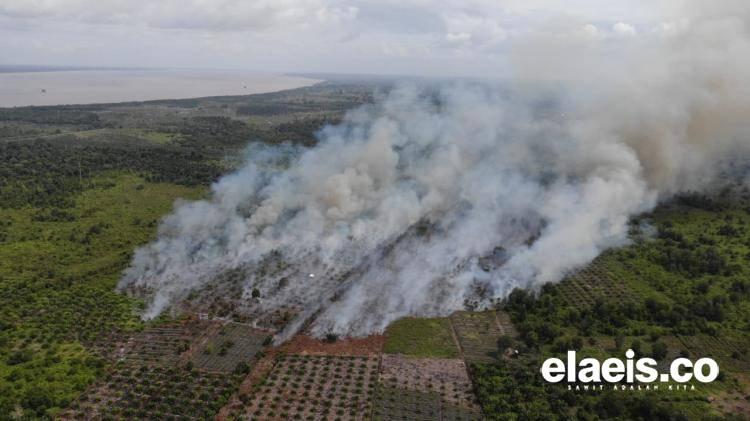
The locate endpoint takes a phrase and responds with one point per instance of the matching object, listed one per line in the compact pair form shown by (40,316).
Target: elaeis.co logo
(630,374)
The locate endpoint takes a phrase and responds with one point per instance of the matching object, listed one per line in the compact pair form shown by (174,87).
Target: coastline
(84,87)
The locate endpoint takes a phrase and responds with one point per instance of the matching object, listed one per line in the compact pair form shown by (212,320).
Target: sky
(475,38)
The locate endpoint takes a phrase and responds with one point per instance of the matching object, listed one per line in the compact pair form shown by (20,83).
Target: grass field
(134,133)
(419,337)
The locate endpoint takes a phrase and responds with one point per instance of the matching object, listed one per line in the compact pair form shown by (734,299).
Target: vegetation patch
(58,270)
(731,350)
(595,282)
(420,337)
(141,391)
(683,292)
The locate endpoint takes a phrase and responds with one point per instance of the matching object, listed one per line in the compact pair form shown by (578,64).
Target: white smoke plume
(433,198)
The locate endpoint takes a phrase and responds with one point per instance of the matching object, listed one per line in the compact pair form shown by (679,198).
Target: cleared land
(314,387)
(478,334)
(306,345)
(162,344)
(230,345)
(404,404)
(446,377)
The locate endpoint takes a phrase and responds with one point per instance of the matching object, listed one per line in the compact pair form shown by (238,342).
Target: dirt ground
(447,377)
(307,345)
(258,371)
(735,402)
(314,387)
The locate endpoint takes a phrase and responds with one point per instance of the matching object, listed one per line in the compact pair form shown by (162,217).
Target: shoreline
(99,87)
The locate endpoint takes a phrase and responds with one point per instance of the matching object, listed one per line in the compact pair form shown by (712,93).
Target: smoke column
(398,210)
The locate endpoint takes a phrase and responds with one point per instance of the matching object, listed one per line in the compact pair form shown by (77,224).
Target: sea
(23,86)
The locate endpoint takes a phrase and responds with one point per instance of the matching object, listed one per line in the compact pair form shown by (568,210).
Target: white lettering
(553,370)
(612,370)
(674,370)
(713,370)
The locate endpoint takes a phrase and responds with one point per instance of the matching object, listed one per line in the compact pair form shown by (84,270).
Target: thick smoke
(435,198)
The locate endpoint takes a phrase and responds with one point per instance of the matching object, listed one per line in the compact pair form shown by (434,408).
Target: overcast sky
(417,37)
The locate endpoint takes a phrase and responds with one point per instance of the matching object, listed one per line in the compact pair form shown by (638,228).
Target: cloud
(422,37)
(469,31)
(590,30)
(623,29)
(184,14)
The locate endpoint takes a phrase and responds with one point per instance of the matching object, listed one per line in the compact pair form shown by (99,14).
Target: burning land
(436,197)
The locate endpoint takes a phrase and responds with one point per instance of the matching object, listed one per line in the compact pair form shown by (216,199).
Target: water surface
(105,86)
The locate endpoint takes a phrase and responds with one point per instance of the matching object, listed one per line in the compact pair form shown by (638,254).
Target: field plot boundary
(477,334)
(407,404)
(448,377)
(228,345)
(317,386)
